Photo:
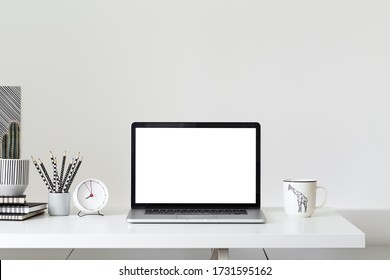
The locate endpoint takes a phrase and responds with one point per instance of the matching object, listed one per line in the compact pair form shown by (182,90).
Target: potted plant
(14,172)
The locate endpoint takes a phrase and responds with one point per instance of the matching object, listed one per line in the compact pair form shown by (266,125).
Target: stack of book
(16,208)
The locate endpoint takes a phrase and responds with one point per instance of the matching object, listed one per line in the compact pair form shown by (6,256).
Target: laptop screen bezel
(135,125)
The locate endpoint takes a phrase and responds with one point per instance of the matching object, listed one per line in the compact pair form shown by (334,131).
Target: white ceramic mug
(300,197)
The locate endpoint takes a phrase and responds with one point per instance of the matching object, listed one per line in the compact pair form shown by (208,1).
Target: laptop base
(138,216)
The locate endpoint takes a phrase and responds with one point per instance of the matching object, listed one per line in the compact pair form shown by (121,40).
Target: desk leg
(219,254)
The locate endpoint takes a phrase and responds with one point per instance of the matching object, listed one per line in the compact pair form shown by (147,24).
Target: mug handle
(325,198)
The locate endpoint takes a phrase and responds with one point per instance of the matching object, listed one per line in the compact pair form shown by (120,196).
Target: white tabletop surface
(325,229)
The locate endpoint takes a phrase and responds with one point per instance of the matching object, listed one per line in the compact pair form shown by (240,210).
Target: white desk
(325,229)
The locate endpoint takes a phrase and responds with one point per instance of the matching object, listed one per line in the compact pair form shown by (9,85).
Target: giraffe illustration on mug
(301,199)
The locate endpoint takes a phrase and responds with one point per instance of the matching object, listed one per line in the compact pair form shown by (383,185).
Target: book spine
(8,217)
(20,217)
(8,209)
(12,200)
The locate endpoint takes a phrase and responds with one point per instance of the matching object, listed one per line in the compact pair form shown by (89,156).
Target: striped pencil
(73,175)
(41,174)
(72,169)
(69,173)
(66,175)
(62,169)
(47,175)
(55,172)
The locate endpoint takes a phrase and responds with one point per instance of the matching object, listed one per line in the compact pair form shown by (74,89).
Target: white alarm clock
(90,196)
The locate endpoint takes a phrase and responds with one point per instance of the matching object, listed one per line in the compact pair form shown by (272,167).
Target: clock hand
(88,188)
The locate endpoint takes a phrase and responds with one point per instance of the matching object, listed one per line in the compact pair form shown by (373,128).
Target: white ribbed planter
(14,175)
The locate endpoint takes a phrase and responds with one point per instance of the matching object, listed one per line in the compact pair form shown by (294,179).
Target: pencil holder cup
(59,204)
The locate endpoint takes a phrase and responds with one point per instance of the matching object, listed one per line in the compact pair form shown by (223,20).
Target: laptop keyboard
(196,212)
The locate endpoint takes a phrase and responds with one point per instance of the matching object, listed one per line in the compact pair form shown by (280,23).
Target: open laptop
(195,173)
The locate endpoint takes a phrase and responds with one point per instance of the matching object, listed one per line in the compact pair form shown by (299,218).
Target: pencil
(55,172)
(66,186)
(73,175)
(66,174)
(62,169)
(47,175)
(41,174)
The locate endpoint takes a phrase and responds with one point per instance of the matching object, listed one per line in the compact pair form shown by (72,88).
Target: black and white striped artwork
(10,99)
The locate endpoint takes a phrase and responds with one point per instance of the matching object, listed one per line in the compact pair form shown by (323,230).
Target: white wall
(315,74)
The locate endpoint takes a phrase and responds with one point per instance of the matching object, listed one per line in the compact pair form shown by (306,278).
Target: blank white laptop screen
(195,165)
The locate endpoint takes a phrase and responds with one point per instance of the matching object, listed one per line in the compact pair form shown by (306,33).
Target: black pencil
(47,175)
(73,175)
(66,175)
(42,176)
(73,167)
(62,169)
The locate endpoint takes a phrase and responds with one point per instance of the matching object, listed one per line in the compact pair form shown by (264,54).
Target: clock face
(91,195)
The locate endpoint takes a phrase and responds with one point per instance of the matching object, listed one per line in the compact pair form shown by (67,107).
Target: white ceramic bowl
(14,175)
(12,190)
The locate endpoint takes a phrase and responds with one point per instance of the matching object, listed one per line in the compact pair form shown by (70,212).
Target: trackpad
(201,217)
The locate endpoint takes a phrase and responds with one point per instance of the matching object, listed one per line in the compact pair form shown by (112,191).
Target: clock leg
(81,214)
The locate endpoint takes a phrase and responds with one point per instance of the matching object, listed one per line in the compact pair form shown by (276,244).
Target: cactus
(10,144)
(4,146)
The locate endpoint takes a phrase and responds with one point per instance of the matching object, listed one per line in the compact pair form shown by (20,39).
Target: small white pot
(59,204)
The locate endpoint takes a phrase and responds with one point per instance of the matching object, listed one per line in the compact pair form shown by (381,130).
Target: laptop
(195,172)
